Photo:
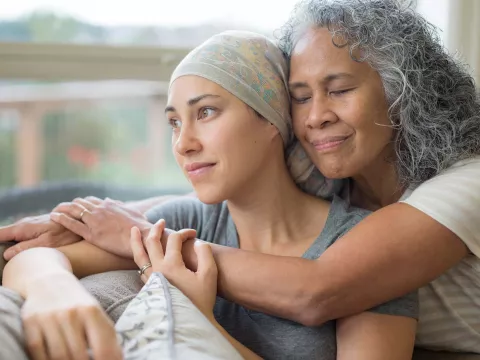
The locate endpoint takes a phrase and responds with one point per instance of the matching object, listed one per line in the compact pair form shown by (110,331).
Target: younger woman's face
(339,110)
(218,141)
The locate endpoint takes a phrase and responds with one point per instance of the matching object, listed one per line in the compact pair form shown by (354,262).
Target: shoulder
(189,212)
(342,217)
(464,173)
(452,198)
(345,215)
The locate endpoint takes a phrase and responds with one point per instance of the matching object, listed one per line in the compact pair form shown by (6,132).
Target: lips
(197,171)
(197,166)
(330,142)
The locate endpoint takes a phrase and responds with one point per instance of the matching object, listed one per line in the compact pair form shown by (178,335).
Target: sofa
(17,203)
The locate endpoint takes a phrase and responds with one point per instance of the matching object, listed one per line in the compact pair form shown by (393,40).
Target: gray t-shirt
(269,336)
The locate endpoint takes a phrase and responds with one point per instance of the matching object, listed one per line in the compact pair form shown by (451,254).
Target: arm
(41,231)
(39,263)
(87,259)
(372,336)
(392,252)
(60,317)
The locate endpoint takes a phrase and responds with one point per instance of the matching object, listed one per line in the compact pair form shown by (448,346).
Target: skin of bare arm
(373,336)
(87,259)
(389,254)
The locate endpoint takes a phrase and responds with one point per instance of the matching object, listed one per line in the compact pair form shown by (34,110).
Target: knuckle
(67,315)
(58,355)
(34,343)
(110,351)
(63,205)
(168,268)
(150,240)
(89,311)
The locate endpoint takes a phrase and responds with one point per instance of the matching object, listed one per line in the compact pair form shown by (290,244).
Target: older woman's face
(339,108)
(218,141)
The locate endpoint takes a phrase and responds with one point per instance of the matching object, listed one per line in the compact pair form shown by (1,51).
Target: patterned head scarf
(252,68)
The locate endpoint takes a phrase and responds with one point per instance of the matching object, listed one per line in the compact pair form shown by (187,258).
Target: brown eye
(175,124)
(205,112)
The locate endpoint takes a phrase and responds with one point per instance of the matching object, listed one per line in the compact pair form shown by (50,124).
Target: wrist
(34,265)
(40,284)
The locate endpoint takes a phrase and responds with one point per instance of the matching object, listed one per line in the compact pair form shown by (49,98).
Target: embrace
(336,212)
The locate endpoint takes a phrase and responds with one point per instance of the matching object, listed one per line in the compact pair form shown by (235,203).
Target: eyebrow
(327,79)
(192,101)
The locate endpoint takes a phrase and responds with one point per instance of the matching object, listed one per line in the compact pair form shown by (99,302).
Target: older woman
(376,99)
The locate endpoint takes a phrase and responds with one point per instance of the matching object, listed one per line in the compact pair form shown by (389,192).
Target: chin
(209,196)
(333,171)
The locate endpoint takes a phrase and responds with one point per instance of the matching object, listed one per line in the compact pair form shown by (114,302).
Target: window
(83,88)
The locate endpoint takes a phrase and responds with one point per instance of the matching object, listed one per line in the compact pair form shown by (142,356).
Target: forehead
(190,86)
(316,55)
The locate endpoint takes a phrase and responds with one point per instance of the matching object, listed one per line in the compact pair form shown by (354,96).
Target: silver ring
(143,268)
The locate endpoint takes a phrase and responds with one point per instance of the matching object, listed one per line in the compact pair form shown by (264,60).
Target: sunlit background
(82,83)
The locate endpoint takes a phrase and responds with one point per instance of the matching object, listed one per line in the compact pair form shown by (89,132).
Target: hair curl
(433,102)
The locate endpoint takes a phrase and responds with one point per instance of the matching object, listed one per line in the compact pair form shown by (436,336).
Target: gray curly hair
(433,102)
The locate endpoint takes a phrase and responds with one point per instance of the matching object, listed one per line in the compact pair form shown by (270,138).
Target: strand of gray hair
(433,101)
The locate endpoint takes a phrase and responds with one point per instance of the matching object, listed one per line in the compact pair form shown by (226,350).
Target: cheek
(298,122)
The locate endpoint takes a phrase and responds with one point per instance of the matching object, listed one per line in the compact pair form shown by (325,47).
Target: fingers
(206,261)
(71,224)
(90,206)
(34,340)
(54,341)
(153,244)
(7,233)
(140,256)
(175,242)
(75,210)
(24,245)
(93,200)
(74,335)
(101,336)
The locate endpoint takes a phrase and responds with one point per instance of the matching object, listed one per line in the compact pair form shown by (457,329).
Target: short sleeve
(179,213)
(403,306)
(453,199)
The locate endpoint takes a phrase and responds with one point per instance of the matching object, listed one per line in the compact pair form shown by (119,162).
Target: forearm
(34,264)
(386,256)
(374,336)
(245,352)
(88,259)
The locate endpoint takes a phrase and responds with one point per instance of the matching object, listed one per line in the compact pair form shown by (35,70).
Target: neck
(377,186)
(271,212)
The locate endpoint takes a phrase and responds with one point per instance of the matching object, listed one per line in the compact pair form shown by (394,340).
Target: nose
(187,141)
(320,114)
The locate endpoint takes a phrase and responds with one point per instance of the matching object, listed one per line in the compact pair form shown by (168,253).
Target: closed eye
(300,100)
(340,92)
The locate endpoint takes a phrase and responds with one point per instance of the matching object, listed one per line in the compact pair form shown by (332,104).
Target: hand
(35,231)
(200,286)
(62,321)
(104,223)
